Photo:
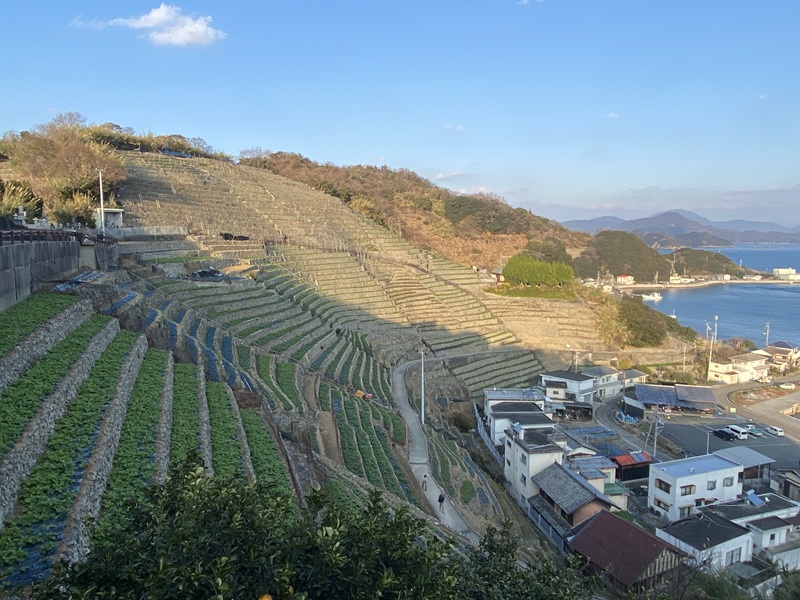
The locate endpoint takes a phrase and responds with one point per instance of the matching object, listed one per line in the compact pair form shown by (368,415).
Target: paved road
(417,447)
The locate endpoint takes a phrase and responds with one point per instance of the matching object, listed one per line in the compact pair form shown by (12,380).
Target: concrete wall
(26,267)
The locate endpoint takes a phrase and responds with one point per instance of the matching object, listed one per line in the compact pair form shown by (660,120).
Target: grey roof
(591,466)
(739,509)
(747,457)
(748,357)
(632,374)
(785,345)
(513,407)
(513,394)
(569,375)
(528,418)
(552,518)
(769,523)
(538,440)
(704,530)
(705,463)
(680,396)
(568,490)
(599,371)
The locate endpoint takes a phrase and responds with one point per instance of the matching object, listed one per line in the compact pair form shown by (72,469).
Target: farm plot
(25,317)
(185,437)
(226,451)
(268,466)
(32,534)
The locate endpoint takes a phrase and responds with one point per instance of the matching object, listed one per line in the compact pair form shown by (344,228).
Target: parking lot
(695,437)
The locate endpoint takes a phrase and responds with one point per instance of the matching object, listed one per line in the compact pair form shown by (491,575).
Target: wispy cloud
(450,127)
(167,26)
(451,175)
(612,115)
(762,97)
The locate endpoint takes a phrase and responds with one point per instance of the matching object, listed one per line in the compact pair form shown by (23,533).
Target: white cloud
(612,115)
(169,27)
(452,175)
(79,23)
(762,97)
(456,128)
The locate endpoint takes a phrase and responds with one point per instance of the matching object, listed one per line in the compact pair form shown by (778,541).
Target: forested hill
(479,229)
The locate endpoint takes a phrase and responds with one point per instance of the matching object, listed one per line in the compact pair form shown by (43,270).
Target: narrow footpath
(417,448)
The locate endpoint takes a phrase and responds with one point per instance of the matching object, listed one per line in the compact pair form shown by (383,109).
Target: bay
(743,310)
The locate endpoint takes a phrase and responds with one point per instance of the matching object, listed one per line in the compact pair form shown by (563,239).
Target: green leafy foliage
(524,270)
(25,396)
(483,213)
(645,326)
(621,253)
(226,451)
(25,317)
(185,414)
(703,262)
(269,469)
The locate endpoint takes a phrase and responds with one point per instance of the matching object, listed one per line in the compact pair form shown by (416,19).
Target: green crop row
(350,453)
(22,399)
(268,467)
(25,317)
(47,494)
(226,451)
(243,356)
(134,464)
(382,453)
(467,491)
(285,378)
(264,370)
(325,396)
(185,414)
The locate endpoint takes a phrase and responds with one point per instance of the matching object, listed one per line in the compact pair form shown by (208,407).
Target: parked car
(787,386)
(725,434)
(775,430)
(751,430)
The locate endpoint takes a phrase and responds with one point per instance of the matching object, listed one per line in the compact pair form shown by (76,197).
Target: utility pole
(102,205)
(711,350)
(422,385)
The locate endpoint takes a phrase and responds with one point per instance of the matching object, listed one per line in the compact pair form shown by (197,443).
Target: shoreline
(701,284)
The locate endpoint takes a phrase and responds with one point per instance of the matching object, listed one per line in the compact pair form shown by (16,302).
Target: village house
(763,526)
(750,366)
(625,280)
(609,382)
(528,452)
(630,560)
(525,408)
(786,274)
(780,356)
(678,488)
(678,397)
(601,472)
(568,386)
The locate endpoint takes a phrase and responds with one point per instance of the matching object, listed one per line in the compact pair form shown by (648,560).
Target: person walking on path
(425,483)
(441,501)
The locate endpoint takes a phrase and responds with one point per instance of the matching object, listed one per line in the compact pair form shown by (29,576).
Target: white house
(609,381)
(750,366)
(568,386)
(625,280)
(504,407)
(712,542)
(678,488)
(528,452)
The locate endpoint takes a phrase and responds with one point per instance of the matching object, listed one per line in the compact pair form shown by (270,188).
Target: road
(417,447)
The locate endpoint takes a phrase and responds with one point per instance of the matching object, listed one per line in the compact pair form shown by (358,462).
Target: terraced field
(94,421)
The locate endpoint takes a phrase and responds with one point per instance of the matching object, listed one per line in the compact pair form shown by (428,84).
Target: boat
(654,296)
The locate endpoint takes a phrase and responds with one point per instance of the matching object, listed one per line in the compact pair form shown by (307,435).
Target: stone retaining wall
(20,460)
(205,425)
(86,508)
(26,267)
(40,342)
(165,423)
(246,460)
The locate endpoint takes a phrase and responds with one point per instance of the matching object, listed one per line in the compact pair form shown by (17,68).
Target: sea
(762,313)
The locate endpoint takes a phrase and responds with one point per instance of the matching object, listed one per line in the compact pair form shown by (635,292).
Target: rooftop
(513,394)
(741,509)
(704,530)
(567,375)
(568,490)
(695,465)
(747,457)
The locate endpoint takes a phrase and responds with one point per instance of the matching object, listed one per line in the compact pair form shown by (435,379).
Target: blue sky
(572,109)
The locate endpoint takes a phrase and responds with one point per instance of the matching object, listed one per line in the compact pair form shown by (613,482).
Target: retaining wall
(26,267)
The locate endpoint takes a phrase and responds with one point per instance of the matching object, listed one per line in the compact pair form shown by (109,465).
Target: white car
(751,430)
(787,386)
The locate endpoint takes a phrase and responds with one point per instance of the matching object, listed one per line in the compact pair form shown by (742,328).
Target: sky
(571,109)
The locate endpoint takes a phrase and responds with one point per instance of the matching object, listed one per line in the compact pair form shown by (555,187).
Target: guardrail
(24,236)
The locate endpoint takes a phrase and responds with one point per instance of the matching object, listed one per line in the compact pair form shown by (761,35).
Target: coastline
(700,284)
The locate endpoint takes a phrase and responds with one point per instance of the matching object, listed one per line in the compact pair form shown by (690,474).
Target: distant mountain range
(678,228)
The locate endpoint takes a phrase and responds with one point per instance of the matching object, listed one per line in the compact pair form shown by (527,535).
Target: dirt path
(327,428)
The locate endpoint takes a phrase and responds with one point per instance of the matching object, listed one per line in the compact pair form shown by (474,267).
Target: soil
(747,398)
(327,428)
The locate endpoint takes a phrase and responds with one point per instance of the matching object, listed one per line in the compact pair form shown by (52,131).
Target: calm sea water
(743,310)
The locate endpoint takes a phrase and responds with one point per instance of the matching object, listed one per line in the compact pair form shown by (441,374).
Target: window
(727,482)
(771,538)
(686,490)
(508,442)
(660,504)
(686,511)
(734,556)
(712,485)
(523,458)
(523,479)
(508,462)
(663,485)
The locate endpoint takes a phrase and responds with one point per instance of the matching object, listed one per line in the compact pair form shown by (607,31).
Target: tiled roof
(566,375)
(623,548)
(633,458)
(568,490)
(705,530)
